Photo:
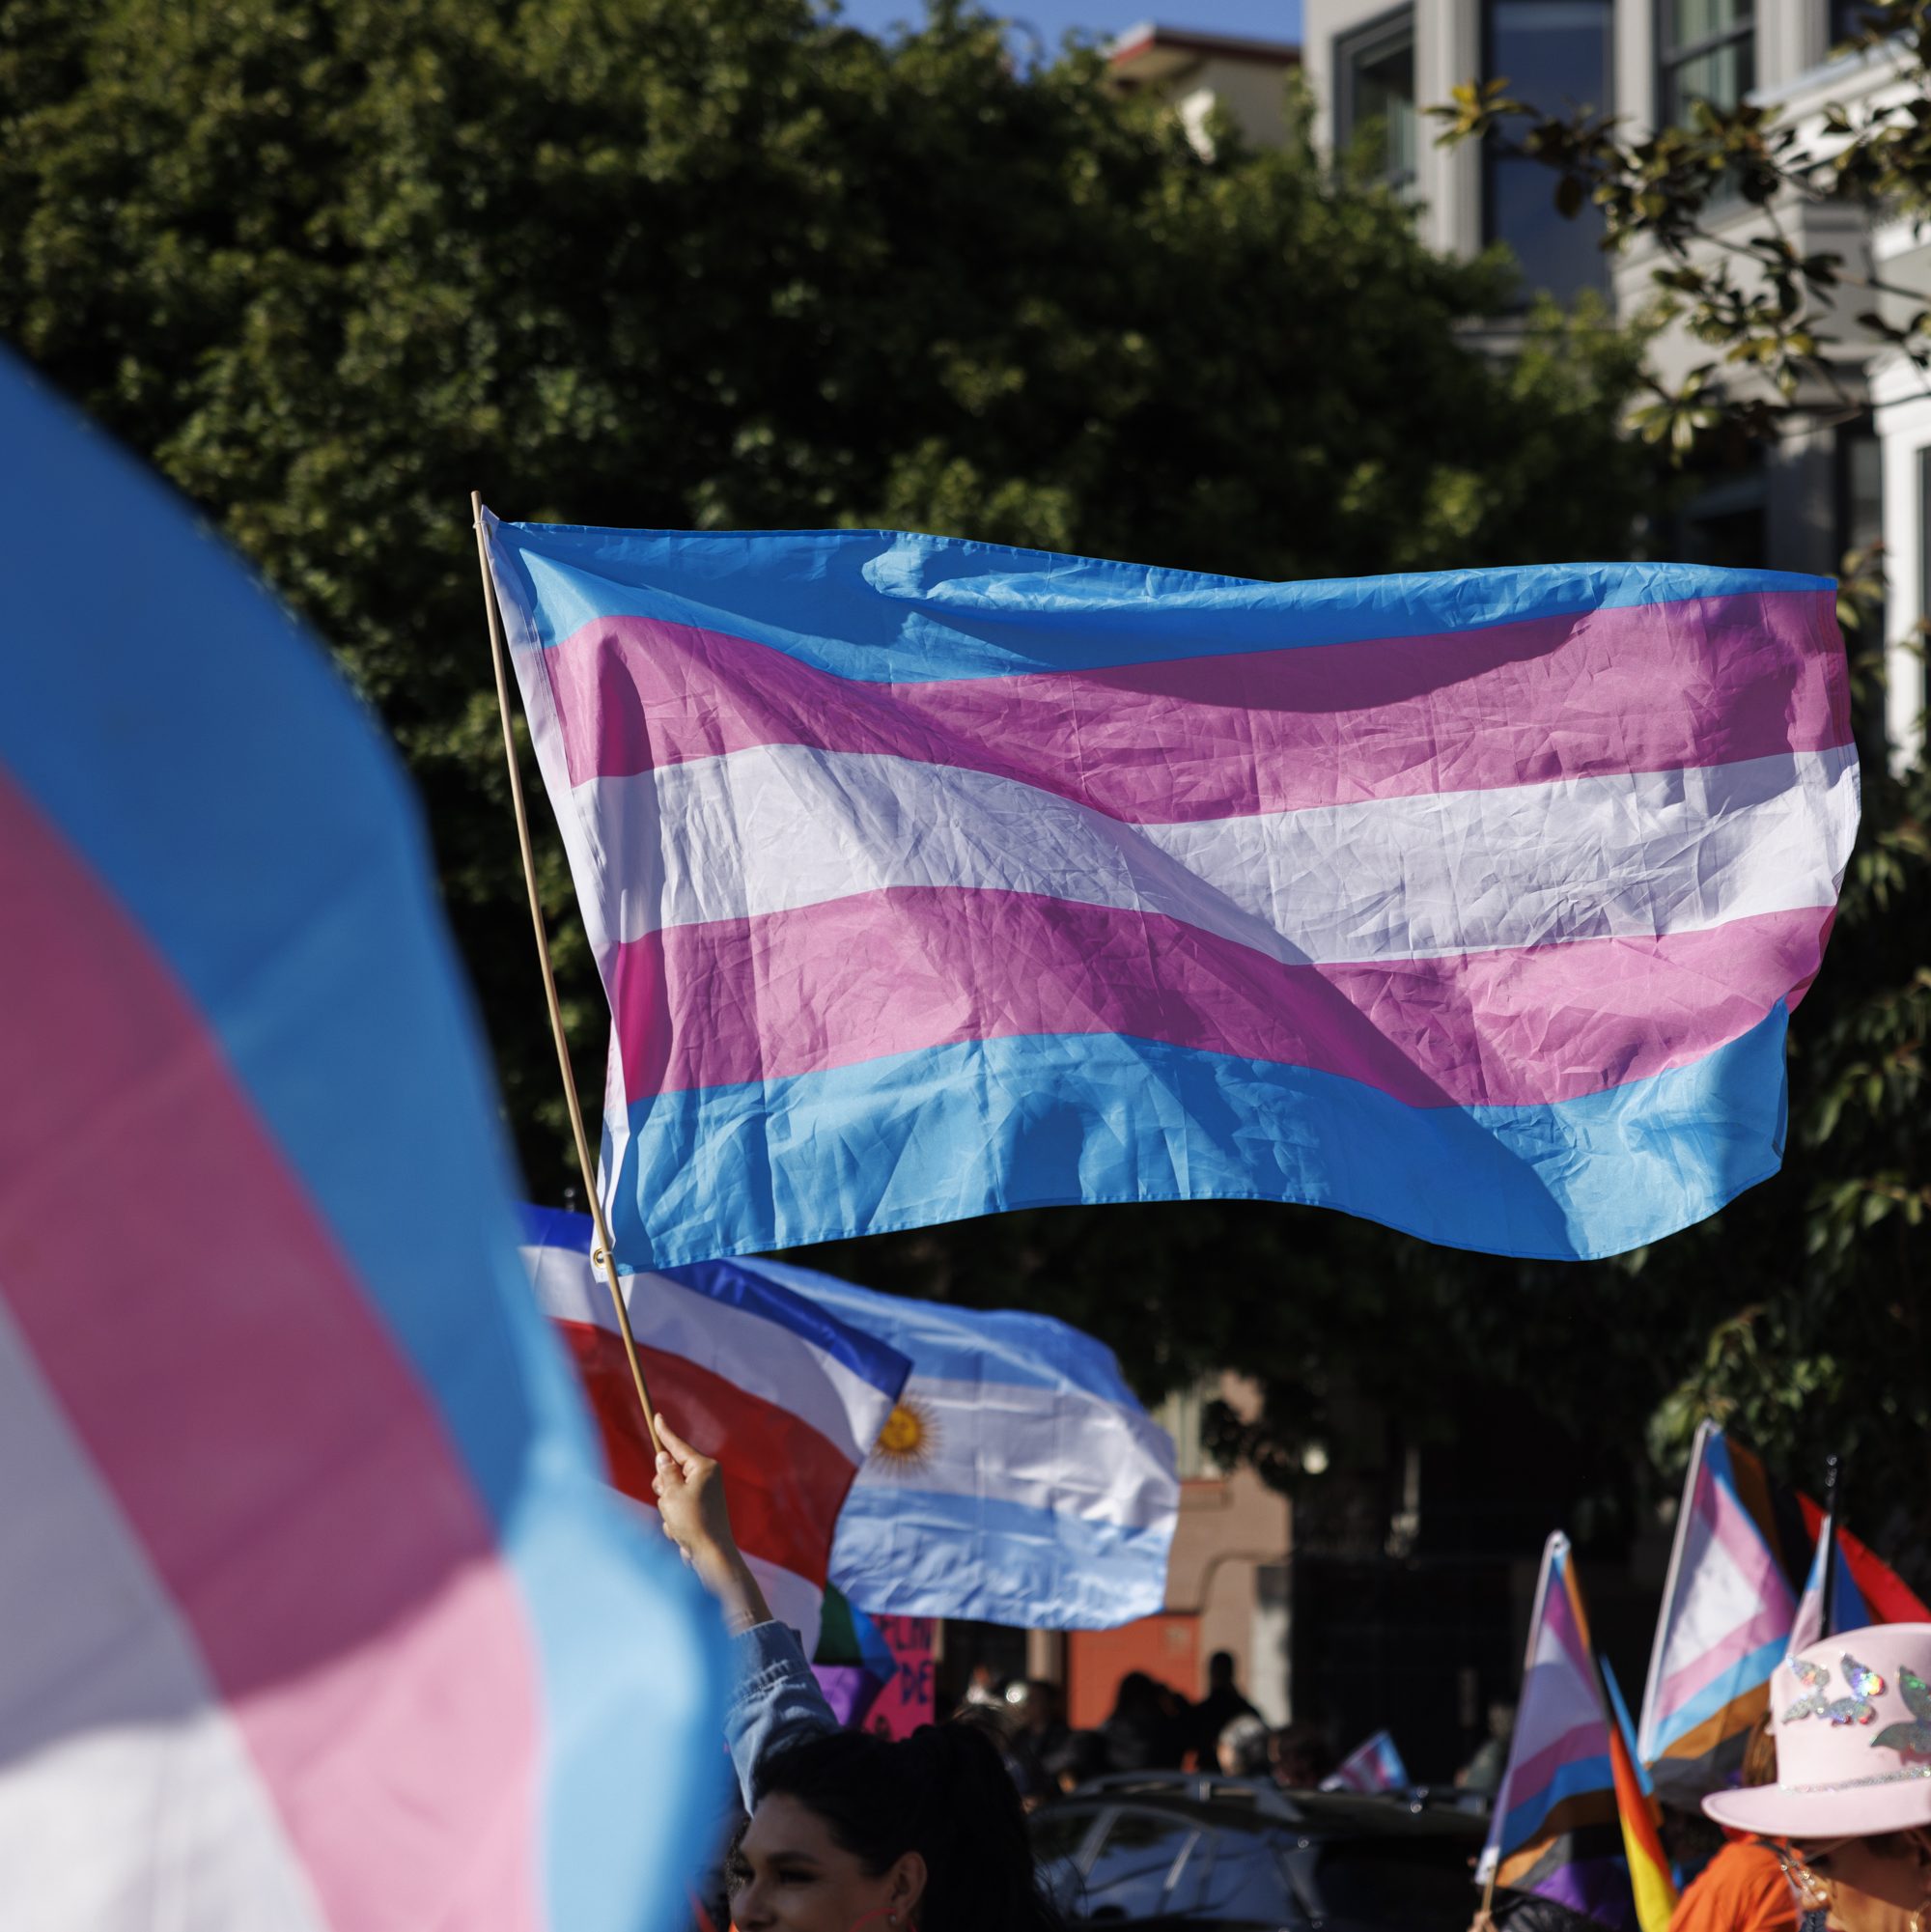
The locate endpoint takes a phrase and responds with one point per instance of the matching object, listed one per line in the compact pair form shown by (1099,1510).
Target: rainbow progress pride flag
(930,879)
(1575,1820)
(1744,1545)
(315,1611)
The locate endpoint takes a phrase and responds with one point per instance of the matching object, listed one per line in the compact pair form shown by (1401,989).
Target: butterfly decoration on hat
(1855,1709)
(1914,1738)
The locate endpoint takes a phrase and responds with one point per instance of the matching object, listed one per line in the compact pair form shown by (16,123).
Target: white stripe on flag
(762,1358)
(114,1749)
(793,1599)
(781,827)
(1056,1450)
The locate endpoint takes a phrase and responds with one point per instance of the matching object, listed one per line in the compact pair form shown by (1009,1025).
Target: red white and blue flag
(930,878)
(316,1613)
(787,1397)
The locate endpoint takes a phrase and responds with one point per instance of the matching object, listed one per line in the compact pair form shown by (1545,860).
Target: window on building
(1923,662)
(1556,55)
(1860,525)
(1849,19)
(1728,523)
(1709,53)
(1375,91)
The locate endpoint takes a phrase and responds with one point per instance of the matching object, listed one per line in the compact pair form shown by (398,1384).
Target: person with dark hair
(1299,1756)
(1217,1710)
(847,1830)
(1139,1733)
(1083,1756)
(1527,1912)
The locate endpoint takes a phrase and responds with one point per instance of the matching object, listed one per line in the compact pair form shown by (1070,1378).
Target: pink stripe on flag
(1210,738)
(1575,1746)
(886,972)
(281,1468)
(1733,1526)
(1767,1626)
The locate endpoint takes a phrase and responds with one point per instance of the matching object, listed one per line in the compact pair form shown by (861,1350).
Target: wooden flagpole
(605,1255)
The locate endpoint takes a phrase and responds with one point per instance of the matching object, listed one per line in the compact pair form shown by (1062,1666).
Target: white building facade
(1840,480)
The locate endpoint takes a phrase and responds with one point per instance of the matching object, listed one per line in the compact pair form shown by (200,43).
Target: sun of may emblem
(907,1441)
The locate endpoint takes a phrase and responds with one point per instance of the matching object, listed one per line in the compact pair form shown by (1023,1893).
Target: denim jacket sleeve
(777,1701)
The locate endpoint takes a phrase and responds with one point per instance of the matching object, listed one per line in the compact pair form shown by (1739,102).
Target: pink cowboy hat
(1852,1717)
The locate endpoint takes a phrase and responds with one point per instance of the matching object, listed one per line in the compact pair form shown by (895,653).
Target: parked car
(1162,1851)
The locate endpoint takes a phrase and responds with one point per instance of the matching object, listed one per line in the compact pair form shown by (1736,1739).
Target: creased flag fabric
(930,879)
(1743,1548)
(1374,1765)
(1017,1481)
(319,1614)
(787,1395)
(1572,1821)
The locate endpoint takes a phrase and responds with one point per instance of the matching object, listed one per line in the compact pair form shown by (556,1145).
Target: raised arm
(776,1700)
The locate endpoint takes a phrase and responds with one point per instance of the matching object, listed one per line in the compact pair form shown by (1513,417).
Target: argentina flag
(1017,1481)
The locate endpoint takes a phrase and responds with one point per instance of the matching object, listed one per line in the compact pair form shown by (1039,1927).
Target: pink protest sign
(905,1702)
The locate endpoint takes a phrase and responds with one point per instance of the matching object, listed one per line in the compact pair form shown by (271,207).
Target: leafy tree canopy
(332,264)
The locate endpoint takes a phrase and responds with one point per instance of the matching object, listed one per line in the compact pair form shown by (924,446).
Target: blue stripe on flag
(1743,1676)
(910,1139)
(1848,1609)
(1524,1820)
(881,606)
(907,1552)
(864,1354)
(968,1344)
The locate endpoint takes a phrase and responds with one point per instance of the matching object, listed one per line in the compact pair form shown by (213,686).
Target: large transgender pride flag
(313,1610)
(930,879)
(788,1398)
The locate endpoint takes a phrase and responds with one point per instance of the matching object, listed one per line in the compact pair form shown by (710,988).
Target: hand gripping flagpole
(605,1255)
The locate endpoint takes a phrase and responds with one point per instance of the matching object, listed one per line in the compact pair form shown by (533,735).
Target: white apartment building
(1852,472)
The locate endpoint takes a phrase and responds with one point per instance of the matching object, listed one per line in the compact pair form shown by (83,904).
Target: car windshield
(1421,1886)
(1138,1862)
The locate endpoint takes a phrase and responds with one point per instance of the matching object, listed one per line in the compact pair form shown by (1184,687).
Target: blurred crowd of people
(1151,1727)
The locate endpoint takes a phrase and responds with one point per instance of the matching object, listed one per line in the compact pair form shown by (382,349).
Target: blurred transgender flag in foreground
(314,1609)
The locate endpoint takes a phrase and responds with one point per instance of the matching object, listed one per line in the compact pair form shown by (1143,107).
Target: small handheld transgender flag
(1371,1767)
(1575,1820)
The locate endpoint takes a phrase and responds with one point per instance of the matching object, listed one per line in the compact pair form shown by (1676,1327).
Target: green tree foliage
(1803,1314)
(332,264)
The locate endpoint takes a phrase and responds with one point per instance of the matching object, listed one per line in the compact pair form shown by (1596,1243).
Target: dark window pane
(1691,20)
(1556,55)
(1709,53)
(1129,1875)
(1421,1888)
(1376,91)
(1244,1881)
(1903,669)
(1058,1833)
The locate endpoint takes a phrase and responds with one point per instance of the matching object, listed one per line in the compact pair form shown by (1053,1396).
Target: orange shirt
(1742,1889)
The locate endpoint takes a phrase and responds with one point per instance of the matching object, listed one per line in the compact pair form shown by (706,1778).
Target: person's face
(1864,1891)
(791,1875)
